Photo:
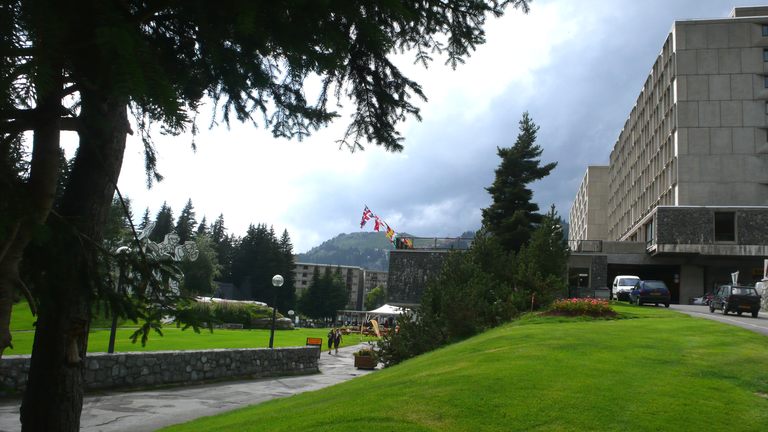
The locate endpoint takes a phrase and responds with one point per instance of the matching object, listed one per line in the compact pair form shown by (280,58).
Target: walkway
(759,324)
(137,411)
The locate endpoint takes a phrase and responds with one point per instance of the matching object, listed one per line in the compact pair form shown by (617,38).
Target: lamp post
(277,282)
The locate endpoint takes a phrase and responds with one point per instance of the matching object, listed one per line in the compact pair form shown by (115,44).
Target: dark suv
(734,298)
(650,291)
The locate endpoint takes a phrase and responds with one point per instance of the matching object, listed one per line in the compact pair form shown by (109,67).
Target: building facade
(359,281)
(688,175)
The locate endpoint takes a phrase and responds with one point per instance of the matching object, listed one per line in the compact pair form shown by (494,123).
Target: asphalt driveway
(759,324)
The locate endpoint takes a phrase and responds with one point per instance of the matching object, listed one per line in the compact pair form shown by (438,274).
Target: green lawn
(173,338)
(655,370)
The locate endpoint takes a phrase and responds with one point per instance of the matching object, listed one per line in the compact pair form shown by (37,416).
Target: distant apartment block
(359,281)
(588,217)
(687,180)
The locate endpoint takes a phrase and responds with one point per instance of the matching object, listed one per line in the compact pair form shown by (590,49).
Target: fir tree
(203,227)
(287,296)
(65,69)
(512,216)
(144,220)
(185,226)
(218,231)
(163,224)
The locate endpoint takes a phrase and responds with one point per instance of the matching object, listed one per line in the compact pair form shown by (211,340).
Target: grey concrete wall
(695,225)
(148,369)
(409,273)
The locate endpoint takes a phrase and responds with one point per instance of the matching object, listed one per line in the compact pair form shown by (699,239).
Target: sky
(576,67)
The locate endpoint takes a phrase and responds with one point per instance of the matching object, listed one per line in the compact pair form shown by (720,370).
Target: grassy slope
(172,339)
(660,371)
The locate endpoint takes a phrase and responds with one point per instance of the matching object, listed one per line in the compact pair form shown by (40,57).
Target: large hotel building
(685,195)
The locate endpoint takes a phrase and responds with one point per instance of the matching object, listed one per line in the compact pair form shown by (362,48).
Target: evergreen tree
(541,264)
(185,226)
(203,227)
(118,227)
(325,295)
(79,65)
(163,223)
(512,216)
(218,231)
(199,275)
(287,298)
(144,220)
(256,259)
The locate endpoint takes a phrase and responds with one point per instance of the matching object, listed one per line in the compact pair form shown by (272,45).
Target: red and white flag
(367,214)
(377,224)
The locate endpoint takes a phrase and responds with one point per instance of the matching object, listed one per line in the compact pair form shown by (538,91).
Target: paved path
(759,324)
(149,410)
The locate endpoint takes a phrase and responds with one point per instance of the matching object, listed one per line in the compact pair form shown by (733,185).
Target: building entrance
(670,274)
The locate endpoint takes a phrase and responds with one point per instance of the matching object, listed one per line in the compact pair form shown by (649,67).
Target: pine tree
(163,224)
(144,220)
(218,231)
(199,275)
(287,297)
(185,226)
(512,216)
(88,68)
(118,228)
(203,227)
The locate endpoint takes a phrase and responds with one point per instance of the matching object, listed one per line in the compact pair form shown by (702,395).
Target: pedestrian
(337,340)
(331,338)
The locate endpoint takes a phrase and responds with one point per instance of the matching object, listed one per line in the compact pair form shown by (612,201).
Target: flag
(408,243)
(377,224)
(367,213)
(390,234)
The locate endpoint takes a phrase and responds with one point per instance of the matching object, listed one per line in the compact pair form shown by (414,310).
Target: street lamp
(277,282)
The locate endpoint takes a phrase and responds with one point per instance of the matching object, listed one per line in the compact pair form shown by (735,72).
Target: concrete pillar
(691,282)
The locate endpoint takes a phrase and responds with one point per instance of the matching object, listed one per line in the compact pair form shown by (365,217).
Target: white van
(622,285)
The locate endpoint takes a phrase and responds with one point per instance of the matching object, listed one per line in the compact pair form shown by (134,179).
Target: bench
(315,341)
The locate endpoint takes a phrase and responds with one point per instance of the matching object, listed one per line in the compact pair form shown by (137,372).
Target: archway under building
(670,274)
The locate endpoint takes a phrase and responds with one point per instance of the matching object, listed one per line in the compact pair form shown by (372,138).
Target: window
(765,54)
(766,107)
(765,30)
(649,233)
(765,82)
(725,226)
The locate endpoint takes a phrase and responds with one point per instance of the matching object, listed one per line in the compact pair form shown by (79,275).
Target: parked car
(622,285)
(735,298)
(650,291)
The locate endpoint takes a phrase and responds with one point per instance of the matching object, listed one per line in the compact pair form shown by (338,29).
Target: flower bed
(582,306)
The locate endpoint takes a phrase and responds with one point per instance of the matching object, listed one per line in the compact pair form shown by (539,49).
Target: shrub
(582,306)
(235,313)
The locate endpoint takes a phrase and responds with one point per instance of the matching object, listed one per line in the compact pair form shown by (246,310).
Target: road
(759,324)
(148,410)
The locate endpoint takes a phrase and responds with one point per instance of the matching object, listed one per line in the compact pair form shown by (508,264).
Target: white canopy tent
(388,310)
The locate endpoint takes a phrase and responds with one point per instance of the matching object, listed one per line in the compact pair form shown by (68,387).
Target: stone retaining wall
(148,369)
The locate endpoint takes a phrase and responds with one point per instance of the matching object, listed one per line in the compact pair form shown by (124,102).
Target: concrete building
(687,187)
(588,217)
(358,280)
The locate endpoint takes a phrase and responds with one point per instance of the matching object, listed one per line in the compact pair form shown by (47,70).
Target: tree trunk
(54,396)
(38,196)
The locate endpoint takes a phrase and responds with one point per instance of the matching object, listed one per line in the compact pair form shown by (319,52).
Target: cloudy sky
(576,67)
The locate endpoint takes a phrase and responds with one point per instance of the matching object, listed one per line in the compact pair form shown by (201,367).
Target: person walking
(337,340)
(331,338)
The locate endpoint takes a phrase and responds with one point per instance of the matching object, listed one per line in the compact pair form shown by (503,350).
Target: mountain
(369,250)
